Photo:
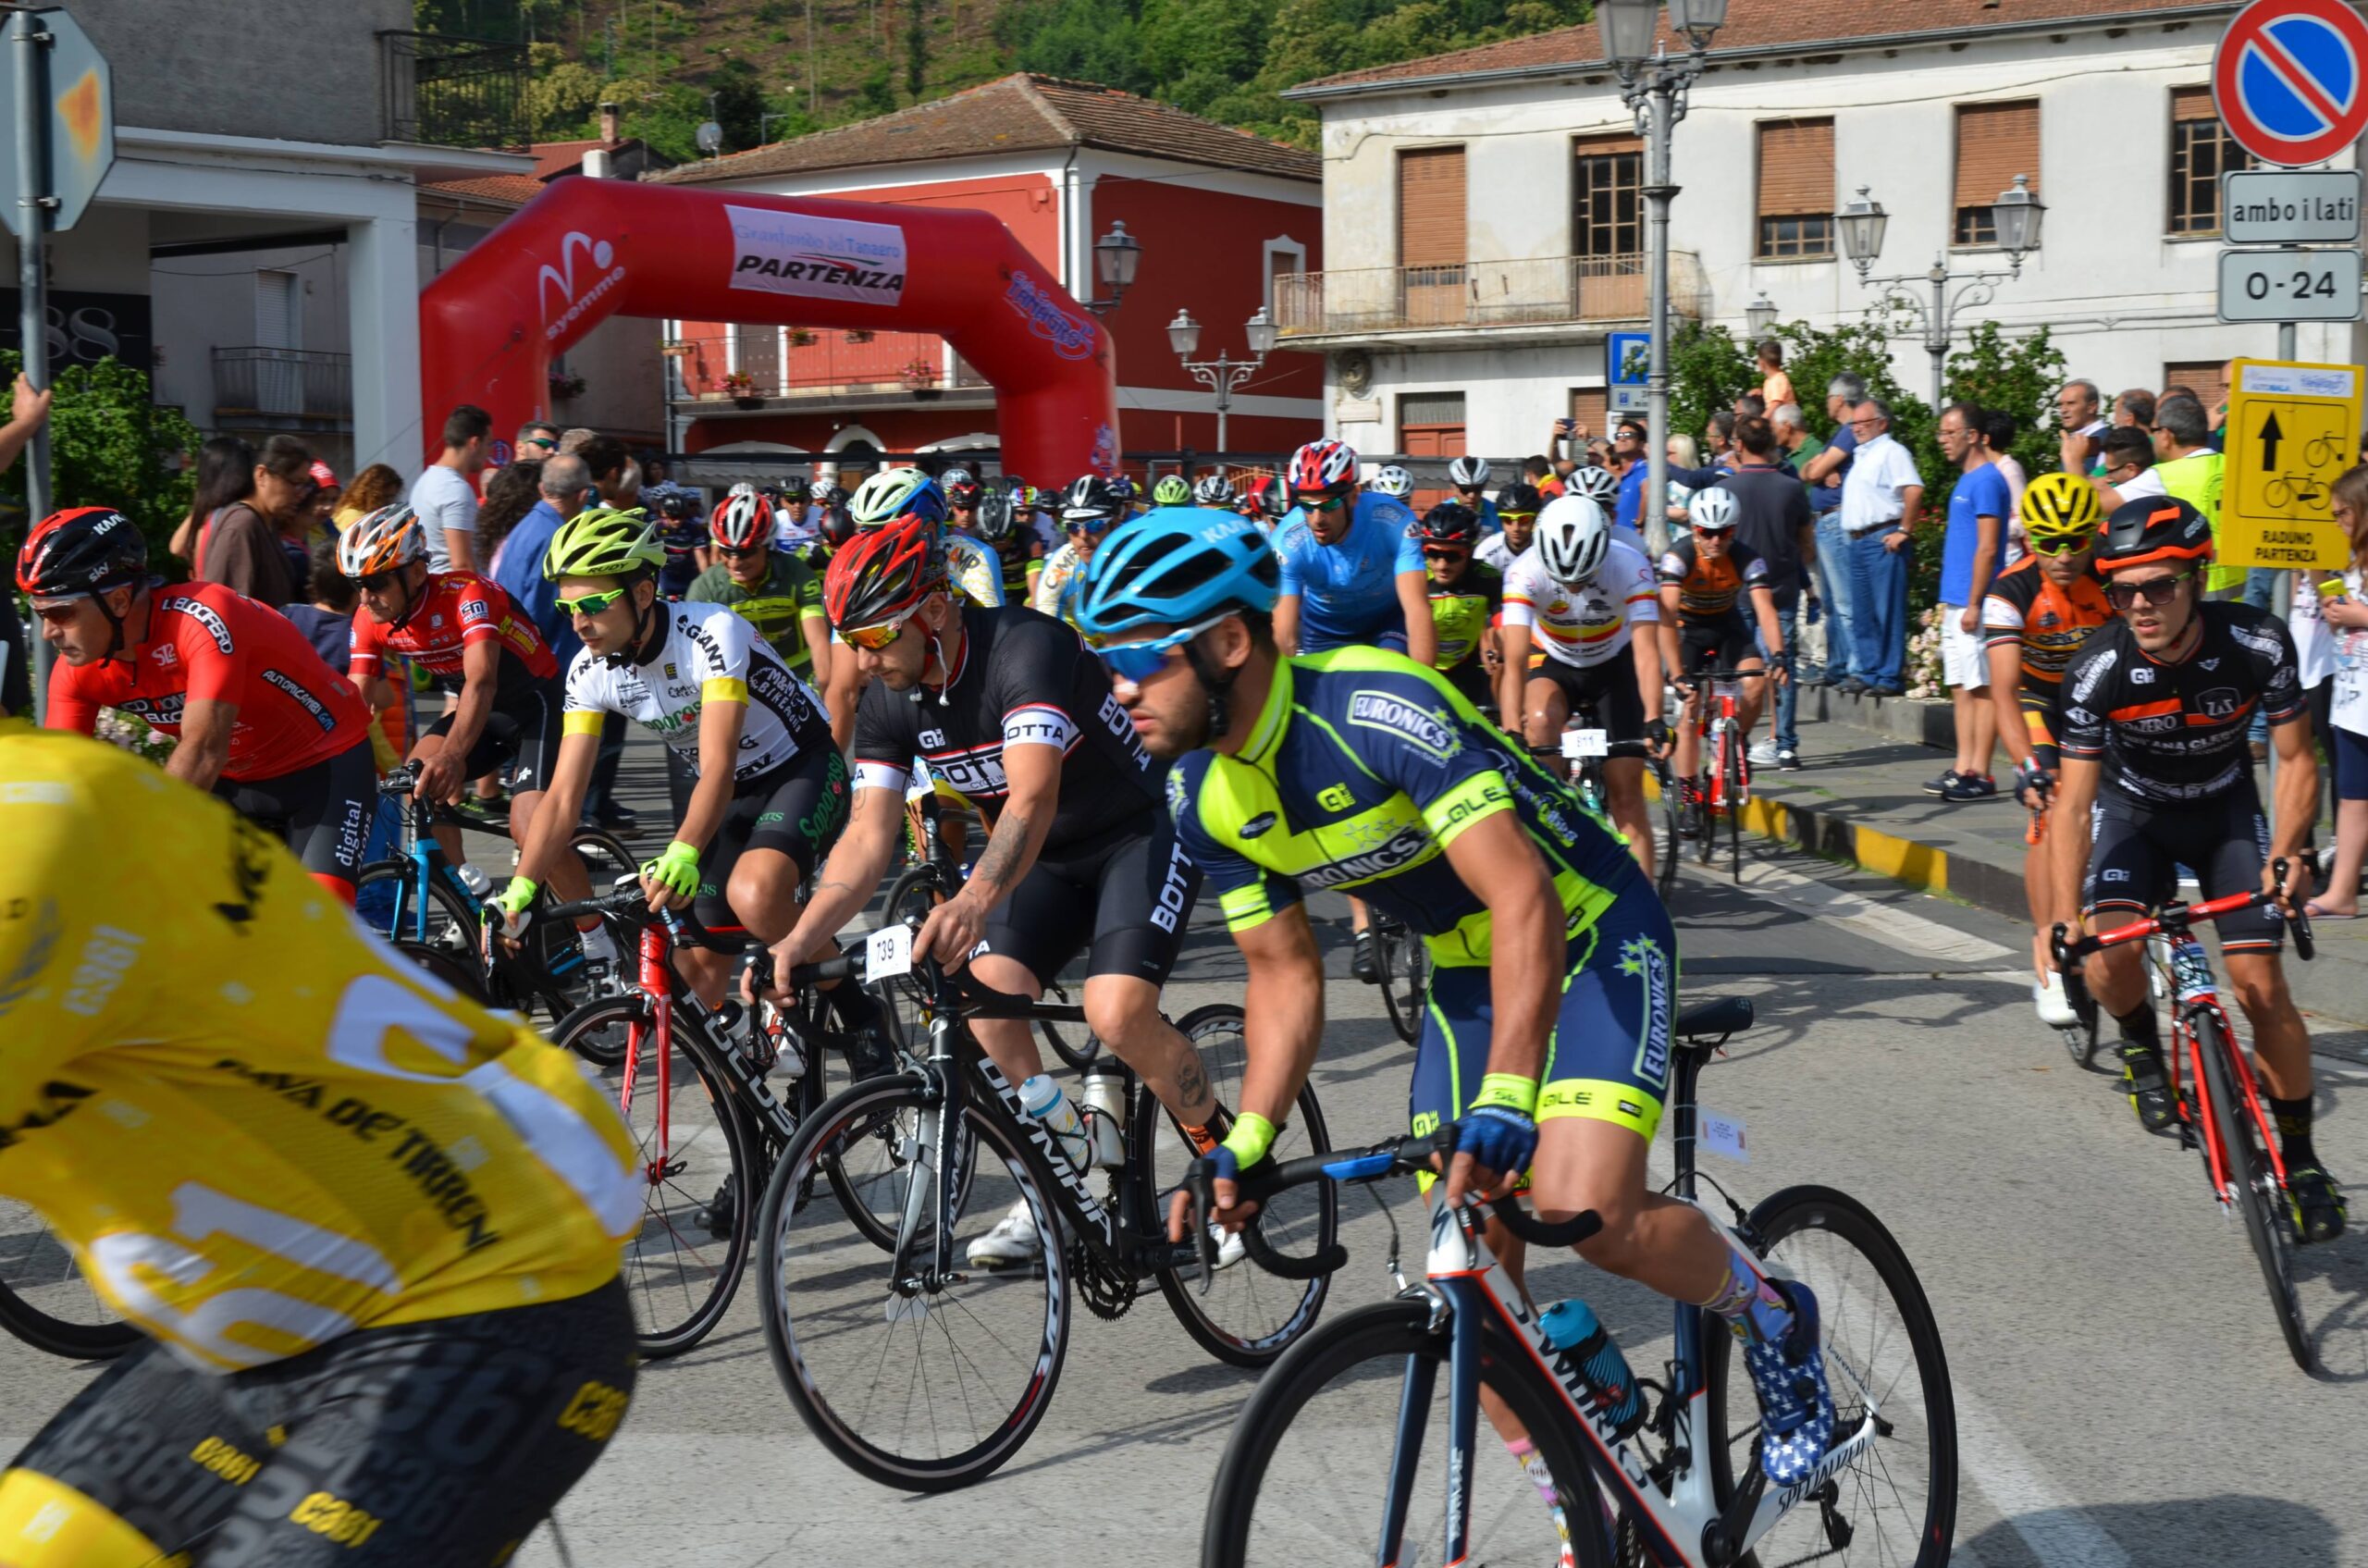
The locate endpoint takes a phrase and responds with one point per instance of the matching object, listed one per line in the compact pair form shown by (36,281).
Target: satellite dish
(710,137)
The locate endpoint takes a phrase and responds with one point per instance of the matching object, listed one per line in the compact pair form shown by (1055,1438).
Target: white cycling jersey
(709,654)
(1585,625)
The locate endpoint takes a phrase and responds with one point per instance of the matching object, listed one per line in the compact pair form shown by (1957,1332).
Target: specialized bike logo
(605,273)
(819,258)
(1071,336)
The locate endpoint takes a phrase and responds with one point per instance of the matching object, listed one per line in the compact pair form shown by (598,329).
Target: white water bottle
(476,881)
(1105,1116)
(1041,1098)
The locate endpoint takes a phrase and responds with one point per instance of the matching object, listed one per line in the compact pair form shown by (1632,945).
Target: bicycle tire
(871,1212)
(1382,1335)
(914,892)
(1034,1368)
(1780,1217)
(447,967)
(681,1277)
(2255,1181)
(36,1269)
(604,856)
(1673,822)
(410,922)
(1732,759)
(1399,956)
(1078,1058)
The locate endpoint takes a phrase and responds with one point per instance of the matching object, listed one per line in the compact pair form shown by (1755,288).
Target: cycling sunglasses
(2070,546)
(1504,516)
(2153,590)
(376,582)
(590,604)
(1445,552)
(741,551)
(1330,503)
(872,639)
(1096,526)
(1138,661)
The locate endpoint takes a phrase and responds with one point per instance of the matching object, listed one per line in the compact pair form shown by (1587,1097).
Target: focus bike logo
(604,274)
(818,258)
(1070,338)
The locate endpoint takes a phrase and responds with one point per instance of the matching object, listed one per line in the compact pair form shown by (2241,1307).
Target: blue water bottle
(1582,1342)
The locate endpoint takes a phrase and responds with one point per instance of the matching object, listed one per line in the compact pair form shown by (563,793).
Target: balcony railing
(823,364)
(1537,290)
(282,384)
(453,92)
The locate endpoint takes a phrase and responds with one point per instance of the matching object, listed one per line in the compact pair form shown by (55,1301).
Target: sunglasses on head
(2153,590)
(872,639)
(1139,662)
(590,604)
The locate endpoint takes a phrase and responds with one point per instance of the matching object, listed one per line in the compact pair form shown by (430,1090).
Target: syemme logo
(820,258)
(1071,336)
(606,272)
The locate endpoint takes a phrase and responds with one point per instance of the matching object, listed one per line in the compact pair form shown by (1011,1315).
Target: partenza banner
(822,258)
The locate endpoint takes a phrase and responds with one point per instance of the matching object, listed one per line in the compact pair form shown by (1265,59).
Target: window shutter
(278,309)
(1795,167)
(1430,408)
(1590,406)
(1995,142)
(1430,207)
(2208,376)
(2193,103)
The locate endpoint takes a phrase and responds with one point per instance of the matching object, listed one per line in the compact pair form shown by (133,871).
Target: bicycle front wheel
(2253,1183)
(1672,832)
(1898,1498)
(1405,965)
(45,1301)
(1350,1432)
(429,911)
(1732,758)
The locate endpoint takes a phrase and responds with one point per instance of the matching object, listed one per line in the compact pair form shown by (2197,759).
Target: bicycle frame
(666,991)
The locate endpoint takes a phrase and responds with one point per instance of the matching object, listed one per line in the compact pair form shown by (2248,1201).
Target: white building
(1483,215)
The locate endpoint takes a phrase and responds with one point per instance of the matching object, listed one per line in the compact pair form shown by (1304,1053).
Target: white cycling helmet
(386,538)
(1574,537)
(1393,481)
(891,493)
(742,488)
(1213,490)
(1713,508)
(1601,484)
(1468,472)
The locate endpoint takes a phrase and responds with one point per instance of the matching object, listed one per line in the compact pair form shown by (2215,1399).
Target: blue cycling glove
(1499,1132)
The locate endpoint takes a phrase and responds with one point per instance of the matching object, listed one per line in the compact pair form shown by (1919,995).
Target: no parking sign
(2288,81)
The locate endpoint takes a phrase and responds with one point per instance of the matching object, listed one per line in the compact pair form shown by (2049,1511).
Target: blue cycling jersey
(1347,591)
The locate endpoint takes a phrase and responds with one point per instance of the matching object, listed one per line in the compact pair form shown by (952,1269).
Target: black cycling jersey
(2176,733)
(1020,677)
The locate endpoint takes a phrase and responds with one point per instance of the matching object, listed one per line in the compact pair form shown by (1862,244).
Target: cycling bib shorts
(522,731)
(2135,848)
(321,811)
(1608,692)
(796,811)
(1123,902)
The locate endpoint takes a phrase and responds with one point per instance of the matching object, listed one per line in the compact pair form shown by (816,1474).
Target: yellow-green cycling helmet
(604,542)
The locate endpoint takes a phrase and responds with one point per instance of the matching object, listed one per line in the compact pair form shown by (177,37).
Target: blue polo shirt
(1824,498)
(1979,494)
(518,569)
(1632,496)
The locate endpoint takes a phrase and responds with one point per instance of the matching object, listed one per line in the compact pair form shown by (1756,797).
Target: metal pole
(1224,399)
(1652,515)
(2286,340)
(29,62)
(1936,334)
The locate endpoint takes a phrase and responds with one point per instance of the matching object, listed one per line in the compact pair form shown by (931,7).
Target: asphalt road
(2123,1395)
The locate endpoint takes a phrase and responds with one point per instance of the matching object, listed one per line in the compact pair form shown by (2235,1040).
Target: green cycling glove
(676,870)
(515,897)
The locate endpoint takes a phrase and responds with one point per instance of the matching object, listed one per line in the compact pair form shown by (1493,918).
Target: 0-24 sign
(2290,285)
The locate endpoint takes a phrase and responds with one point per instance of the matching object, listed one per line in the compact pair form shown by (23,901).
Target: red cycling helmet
(883,573)
(1324,466)
(739,522)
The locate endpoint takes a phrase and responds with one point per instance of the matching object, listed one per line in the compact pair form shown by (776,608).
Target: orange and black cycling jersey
(2048,622)
(1708,587)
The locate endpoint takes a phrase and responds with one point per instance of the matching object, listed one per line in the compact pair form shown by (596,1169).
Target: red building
(1219,214)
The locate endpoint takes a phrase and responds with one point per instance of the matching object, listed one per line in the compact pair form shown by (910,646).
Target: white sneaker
(2055,1007)
(1763,754)
(1230,1249)
(1014,1240)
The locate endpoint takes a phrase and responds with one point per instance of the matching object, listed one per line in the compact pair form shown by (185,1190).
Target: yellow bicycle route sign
(2292,431)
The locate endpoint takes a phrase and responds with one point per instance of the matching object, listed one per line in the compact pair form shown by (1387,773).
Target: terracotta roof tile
(1764,23)
(516,190)
(1019,113)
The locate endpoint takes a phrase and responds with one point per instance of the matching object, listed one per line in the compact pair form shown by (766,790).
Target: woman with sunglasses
(771,588)
(2157,706)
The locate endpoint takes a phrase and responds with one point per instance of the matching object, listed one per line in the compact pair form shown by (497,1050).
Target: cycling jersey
(707,655)
(1589,624)
(2176,733)
(683,538)
(1348,590)
(206,642)
(258,1127)
(1708,588)
(1061,568)
(1463,612)
(456,609)
(1019,679)
(2028,610)
(778,607)
(975,568)
(1021,564)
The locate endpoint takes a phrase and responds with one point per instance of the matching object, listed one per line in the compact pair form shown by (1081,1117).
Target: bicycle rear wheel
(1673,830)
(1883,1354)
(437,917)
(1736,790)
(45,1301)
(1306,1477)
(2255,1185)
(1405,974)
(448,966)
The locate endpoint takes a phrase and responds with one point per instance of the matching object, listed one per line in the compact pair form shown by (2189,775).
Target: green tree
(915,49)
(110,445)
(739,102)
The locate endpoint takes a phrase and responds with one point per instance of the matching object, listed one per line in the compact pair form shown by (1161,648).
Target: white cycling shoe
(2055,1007)
(1014,1240)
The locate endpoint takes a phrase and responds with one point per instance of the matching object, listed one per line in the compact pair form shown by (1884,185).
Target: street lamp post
(2013,218)
(1117,255)
(1654,87)
(1221,375)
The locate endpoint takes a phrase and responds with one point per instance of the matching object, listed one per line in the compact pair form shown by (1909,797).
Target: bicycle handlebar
(630,904)
(2179,917)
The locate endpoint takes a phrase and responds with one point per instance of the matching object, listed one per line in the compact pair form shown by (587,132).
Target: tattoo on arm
(998,865)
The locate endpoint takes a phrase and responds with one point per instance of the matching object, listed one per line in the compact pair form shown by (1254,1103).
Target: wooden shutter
(1430,207)
(1795,167)
(2208,376)
(2193,103)
(1995,142)
(1591,407)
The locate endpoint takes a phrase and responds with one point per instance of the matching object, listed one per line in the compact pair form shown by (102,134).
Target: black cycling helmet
(2154,529)
(1093,504)
(677,505)
(838,526)
(1449,523)
(84,550)
(1526,499)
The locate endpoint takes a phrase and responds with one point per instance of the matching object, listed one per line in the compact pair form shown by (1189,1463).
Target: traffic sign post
(2264,207)
(2292,285)
(2287,79)
(2292,431)
(1626,371)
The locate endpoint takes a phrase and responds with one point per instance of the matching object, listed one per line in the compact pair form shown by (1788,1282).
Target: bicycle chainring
(1106,1291)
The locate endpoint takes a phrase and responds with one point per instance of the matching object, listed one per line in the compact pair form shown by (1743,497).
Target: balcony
(447,92)
(784,371)
(283,390)
(1539,298)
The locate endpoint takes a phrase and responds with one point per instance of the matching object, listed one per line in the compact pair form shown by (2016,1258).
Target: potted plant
(859,334)
(742,388)
(800,337)
(919,372)
(565,384)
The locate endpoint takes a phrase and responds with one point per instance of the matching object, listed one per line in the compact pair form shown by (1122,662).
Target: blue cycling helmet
(1175,566)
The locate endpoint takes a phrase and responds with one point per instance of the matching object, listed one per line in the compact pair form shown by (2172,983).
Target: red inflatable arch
(589,248)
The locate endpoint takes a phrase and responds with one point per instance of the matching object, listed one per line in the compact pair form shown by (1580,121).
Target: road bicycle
(45,1301)
(1401,962)
(921,1371)
(2219,1097)
(1362,1445)
(1723,788)
(695,1085)
(2295,489)
(1587,747)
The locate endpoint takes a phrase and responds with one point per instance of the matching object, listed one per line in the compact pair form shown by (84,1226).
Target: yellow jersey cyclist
(371,1231)
(1466,599)
(769,586)
(1547,1028)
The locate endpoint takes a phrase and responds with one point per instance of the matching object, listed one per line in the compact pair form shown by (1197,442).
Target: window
(2201,149)
(2208,379)
(1431,236)
(1430,424)
(1995,142)
(1607,195)
(1591,406)
(1795,188)
(1285,258)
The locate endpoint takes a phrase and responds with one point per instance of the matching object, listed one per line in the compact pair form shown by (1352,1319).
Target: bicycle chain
(1107,1293)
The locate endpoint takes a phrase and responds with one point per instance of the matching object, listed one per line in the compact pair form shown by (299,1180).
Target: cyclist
(962,493)
(1553,962)
(1089,510)
(1470,477)
(1704,581)
(2037,613)
(1351,570)
(1128,495)
(255,718)
(1268,502)
(1391,480)
(2157,703)
(1465,600)
(1517,509)
(1015,547)
(1577,597)
(344,1204)
(684,535)
(770,588)
(1172,490)
(767,792)
(1215,491)
(897,493)
(1006,705)
(1602,487)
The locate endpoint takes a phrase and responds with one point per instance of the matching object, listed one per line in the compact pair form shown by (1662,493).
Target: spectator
(513,491)
(327,621)
(28,410)
(1628,458)
(614,473)
(2189,469)
(1772,520)
(374,486)
(575,438)
(2135,408)
(1536,470)
(1751,405)
(311,526)
(2075,416)
(2128,467)
(1880,501)
(1720,436)
(1796,446)
(239,546)
(1998,431)
(536,441)
(226,474)
(1969,558)
(1824,473)
(561,484)
(2342,647)
(445,494)
(1775,389)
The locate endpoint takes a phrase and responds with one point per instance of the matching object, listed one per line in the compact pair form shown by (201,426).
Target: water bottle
(1041,1098)
(1583,1344)
(477,882)
(1105,1116)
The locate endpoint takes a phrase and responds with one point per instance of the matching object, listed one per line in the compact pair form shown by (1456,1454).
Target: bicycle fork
(660,1028)
(2197,994)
